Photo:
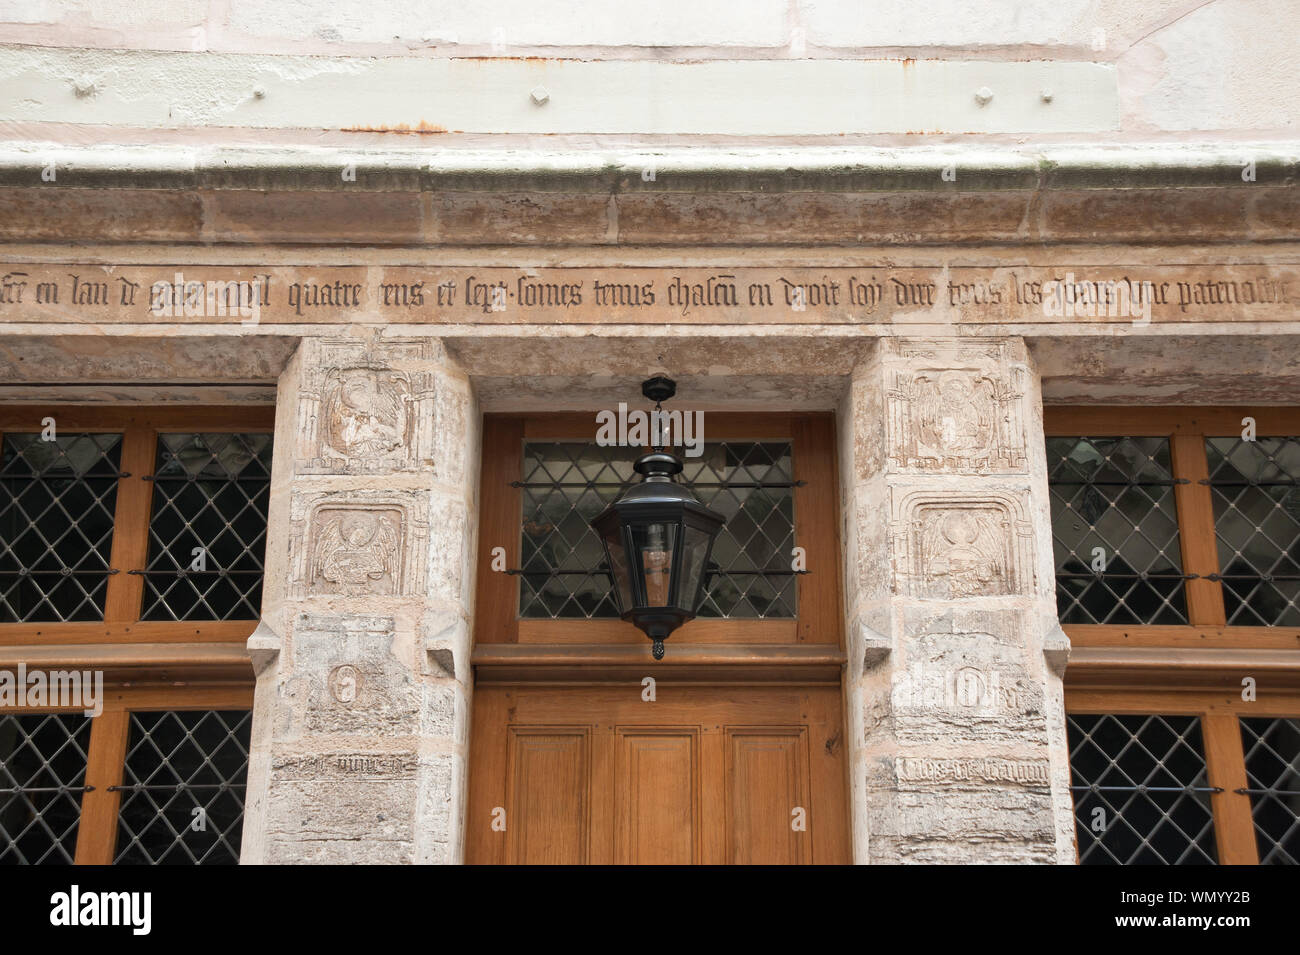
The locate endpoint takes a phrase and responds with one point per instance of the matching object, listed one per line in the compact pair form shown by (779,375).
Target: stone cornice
(932,195)
(969,168)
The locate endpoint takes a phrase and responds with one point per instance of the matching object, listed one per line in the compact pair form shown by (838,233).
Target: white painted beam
(736,98)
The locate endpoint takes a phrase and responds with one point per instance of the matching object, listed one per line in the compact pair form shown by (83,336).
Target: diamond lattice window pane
(1272,748)
(42,767)
(1115,531)
(210,494)
(566,484)
(177,762)
(56,525)
(1140,790)
(1256,495)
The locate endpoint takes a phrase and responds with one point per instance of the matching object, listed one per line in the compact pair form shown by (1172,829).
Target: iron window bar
(1267,792)
(63,572)
(1212,482)
(1154,482)
(1094,788)
(54,475)
(1142,575)
(174,787)
(165,572)
(14,790)
(191,478)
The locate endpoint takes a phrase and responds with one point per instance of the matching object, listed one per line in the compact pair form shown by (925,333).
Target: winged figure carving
(357,553)
(364,414)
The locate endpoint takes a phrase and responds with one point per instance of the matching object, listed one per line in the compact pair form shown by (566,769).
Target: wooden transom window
(567,484)
(131,546)
(118,525)
(773,575)
(1178,530)
(1183,524)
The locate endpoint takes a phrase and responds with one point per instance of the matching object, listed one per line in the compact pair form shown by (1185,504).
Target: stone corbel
(1056,648)
(876,647)
(264,647)
(442,638)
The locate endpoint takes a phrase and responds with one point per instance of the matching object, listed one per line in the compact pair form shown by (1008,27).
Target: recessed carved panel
(355,550)
(366,407)
(359,543)
(957,408)
(949,546)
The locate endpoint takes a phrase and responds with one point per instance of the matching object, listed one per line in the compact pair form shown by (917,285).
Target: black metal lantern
(657,539)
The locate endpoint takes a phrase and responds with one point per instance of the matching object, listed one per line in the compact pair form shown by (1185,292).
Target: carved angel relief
(956,420)
(953,546)
(954,416)
(356,552)
(365,413)
(964,553)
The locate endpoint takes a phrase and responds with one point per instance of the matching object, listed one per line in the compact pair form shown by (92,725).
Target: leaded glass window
(1115,531)
(207,534)
(1272,749)
(1257,528)
(42,772)
(183,788)
(1141,796)
(56,525)
(566,484)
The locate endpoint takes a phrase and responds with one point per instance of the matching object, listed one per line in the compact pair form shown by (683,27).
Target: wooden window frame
(139,426)
(806,648)
(1186,428)
(107,749)
(1225,764)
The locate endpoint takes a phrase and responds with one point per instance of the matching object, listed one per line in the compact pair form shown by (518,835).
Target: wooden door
(701,774)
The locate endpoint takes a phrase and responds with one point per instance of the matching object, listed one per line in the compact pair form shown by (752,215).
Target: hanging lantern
(657,539)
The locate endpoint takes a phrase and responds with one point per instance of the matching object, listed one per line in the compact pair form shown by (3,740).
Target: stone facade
(1082,201)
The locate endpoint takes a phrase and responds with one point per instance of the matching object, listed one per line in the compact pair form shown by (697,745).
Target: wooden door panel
(548,811)
(767,795)
(700,775)
(656,795)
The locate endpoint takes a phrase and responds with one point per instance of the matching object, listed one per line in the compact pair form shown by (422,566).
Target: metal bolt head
(259,92)
(983,95)
(540,95)
(85,85)
(1047,95)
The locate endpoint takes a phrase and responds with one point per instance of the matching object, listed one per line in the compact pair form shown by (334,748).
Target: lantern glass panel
(654,546)
(694,553)
(617,554)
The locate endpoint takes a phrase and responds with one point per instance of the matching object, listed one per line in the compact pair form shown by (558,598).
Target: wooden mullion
(496,613)
(1225,763)
(816,531)
(97,833)
(1196,534)
(131,526)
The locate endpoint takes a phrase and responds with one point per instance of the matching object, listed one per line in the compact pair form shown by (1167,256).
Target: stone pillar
(360,724)
(957,721)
